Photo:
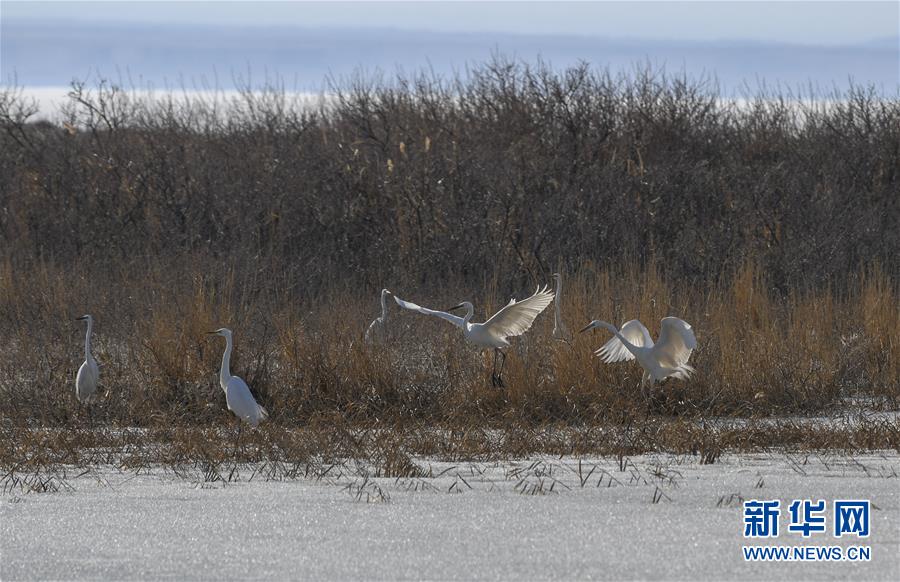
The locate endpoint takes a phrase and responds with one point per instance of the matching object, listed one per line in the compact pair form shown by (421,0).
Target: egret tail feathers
(682,372)
(254,420)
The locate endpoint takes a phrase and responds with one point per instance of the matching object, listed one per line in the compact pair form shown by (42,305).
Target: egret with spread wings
(514,319)
(666,358)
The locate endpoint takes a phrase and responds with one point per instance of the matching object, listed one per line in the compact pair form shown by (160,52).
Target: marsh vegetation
(771,224)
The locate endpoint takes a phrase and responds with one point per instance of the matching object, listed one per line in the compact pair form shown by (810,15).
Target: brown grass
(759,354)
(42,459)
(424,391)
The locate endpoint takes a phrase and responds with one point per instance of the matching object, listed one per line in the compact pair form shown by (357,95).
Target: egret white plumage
(237,394)
(666,358)
(377,327)
(513,320)
(88,377)
(560,331)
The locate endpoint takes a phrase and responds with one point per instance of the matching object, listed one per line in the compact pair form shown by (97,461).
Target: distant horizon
(51,99)
(737,46)
(53,53)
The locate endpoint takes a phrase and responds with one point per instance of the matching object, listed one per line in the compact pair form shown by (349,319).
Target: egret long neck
(631,347)
(225,372)
(557,316)
(87,340)
(466,326)
(383,307)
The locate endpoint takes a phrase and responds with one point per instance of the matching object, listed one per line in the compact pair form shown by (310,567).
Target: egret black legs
(497,376)
(647,390)
(237,440)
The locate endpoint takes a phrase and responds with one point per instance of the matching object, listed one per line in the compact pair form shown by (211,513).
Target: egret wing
(86,381)
(517,317)
(241,402)
(676,342)
(455,320)
(615,351)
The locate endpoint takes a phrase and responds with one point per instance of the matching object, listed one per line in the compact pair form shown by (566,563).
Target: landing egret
(560,331)
(377,327)
(667,357)
(512,320)
(88,374)
(237,394)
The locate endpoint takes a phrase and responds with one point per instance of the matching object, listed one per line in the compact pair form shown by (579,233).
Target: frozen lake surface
(663,517)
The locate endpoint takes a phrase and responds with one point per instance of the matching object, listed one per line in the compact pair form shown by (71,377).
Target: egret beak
(454,308)
(82,318)
(587,327)
(212,333)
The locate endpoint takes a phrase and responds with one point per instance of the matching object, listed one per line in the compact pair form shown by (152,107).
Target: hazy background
(45,45)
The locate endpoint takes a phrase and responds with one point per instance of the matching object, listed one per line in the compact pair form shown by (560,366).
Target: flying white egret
(237,394)
(560,331)
(512,320)
(88,374)
(667,357)
(377,327)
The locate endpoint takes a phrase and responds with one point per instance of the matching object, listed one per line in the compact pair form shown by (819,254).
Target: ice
(474,521)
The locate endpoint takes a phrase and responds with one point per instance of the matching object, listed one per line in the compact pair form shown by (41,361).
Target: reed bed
(758,355)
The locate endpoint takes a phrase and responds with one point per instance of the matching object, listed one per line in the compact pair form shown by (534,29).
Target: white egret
(514,319)
(560,331)
(667,357)
(377,327)
(237,394)
(89,373)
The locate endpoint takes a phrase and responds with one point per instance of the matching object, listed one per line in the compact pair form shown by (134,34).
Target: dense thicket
(508,171)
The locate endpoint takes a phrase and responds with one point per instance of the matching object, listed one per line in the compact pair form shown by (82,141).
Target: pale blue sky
(821,23)
(166,44)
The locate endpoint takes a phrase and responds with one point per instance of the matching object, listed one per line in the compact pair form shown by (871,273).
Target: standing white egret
(512,320)
(560,331)
(88,374)
(377,327)
(237,394)
(667,357)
